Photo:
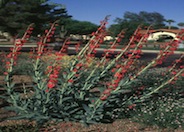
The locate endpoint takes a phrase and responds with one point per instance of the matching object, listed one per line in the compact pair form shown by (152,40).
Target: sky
(95,10)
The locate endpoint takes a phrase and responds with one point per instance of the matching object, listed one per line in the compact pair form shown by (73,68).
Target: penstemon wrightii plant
(84,93)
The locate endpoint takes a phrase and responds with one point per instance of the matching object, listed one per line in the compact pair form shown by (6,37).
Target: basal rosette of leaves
(83,91)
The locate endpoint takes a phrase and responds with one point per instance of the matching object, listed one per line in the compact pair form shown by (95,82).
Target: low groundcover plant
(85,92)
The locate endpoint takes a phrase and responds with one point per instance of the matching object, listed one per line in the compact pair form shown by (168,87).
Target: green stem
(163,84)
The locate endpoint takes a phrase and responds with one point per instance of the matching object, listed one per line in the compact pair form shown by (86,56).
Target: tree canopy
(181,24)
(131,21)
(2,2)
(16,15)
(80,27)
(169,21)
(143,17)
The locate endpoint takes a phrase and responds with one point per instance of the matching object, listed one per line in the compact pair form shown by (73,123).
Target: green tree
(169,21)
(130,21)
(79,27)
(181,24)
(145,18)
(2,2)
(15,15)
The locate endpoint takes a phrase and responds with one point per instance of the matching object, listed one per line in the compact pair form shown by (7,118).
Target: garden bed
(64,93)
(123,125)
(120,125)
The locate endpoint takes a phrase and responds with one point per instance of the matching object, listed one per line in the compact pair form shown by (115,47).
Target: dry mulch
(18,79)
(123,125)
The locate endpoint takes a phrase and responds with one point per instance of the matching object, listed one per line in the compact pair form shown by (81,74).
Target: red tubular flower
(107,91)
(77,75)
(50,85)
(123,70)
(93,33)
(52,76)
(116,81)
(178,61)
(79,65)
(7,63)
(129,55)
(70,81)
(9,55)
(31,28)
(137,56)
(101,41)
(131,106)
(118,75)
(133,46)
(182,74)
(75,70)
(27,36)
(46,31)
(52,32)
(113,70)
(5,73)
(103,98)
(119,40)
(47,90)
(68,42)
(94,51)
(40,43)
(174,72)
(48,40)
